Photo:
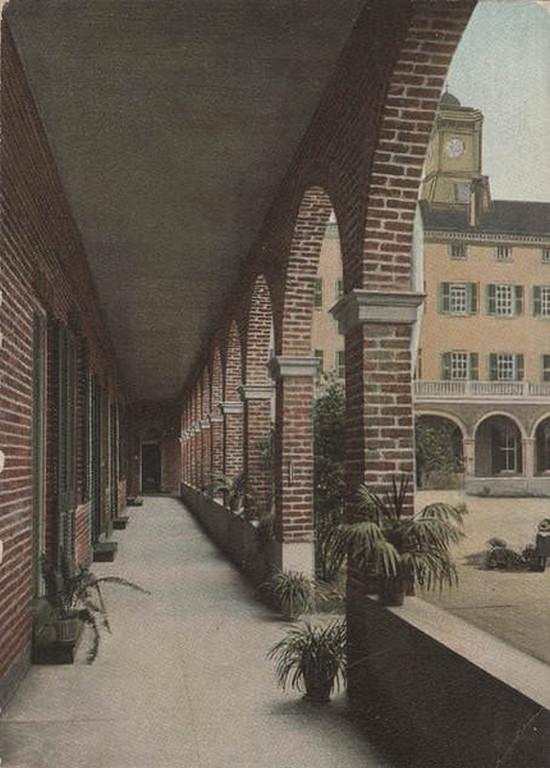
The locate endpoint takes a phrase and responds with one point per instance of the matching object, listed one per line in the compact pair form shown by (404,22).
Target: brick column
(195,455)
(232,438)
(205,453)
(293,465)
(257,423)
(379,410)
(216,443)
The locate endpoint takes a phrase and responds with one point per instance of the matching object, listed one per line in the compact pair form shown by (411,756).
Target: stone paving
(513,605)
(183,681)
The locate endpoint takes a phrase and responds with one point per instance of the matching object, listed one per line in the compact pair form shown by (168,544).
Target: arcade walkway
(183,681)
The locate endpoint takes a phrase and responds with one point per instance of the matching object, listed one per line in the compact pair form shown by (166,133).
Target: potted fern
(75,596)
(292,592)
(402,550)
(312,658)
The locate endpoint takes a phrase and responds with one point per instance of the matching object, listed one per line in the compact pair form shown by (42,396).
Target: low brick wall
(238,538)
(507,486)
(444,694)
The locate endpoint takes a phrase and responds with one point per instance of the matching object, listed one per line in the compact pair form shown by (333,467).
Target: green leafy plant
(75,593)
(400,548)
(329,484)
(292,592)
(312,658)
(437,452)
(233,490)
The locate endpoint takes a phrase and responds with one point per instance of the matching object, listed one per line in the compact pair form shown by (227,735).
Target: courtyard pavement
(513,605)
(183,681)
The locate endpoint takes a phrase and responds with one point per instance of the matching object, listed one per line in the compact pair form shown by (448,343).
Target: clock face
(455,147)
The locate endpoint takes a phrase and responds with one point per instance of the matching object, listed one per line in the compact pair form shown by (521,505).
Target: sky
(502,67)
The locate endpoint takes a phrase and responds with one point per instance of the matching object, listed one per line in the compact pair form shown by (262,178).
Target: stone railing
(480,389)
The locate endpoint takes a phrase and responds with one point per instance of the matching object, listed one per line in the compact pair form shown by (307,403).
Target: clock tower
(452,172)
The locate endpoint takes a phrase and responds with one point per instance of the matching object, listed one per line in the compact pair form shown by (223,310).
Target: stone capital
(204,423)
(282,366)
(230,406)
(215,418)
(255,392)
(381,307)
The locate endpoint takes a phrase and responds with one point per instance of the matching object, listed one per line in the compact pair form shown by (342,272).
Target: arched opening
(439,448)
(232,406)
(542,441)
(498,447)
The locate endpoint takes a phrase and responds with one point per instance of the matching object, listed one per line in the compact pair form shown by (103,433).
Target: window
(340,364)
(318,293)
(546,255)
(504,300)
(457,251)
(320,355)
(506,366)
(339,291)
(541,300)
(504,253)
(458,298)
(460,366)
(546,367)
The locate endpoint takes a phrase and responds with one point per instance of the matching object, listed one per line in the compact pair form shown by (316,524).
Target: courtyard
(512,605)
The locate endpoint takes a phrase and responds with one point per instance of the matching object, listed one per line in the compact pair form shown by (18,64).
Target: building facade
(483,359)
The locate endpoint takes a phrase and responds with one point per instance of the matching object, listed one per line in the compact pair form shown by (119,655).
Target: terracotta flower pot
(318,691)
(392,591)
(66,629)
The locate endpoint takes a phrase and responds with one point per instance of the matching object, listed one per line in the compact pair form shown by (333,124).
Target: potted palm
(312,658)
(402,549)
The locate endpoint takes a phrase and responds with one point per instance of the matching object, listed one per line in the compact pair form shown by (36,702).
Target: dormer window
(504,253)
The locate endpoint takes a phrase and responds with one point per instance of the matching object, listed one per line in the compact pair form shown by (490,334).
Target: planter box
(120,523)
(105,551)
(237,537)
(48,649)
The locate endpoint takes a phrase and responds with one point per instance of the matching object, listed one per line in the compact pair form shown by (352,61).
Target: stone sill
(525,674)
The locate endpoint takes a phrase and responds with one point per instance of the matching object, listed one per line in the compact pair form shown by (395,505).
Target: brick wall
(43,262)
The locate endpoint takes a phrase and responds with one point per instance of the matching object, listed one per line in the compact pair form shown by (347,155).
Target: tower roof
(448,101)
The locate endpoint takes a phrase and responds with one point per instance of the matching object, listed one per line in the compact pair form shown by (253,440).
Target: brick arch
(294,310)
(407,118)
(216,379)
(233,372)
(259,329)
(205,392)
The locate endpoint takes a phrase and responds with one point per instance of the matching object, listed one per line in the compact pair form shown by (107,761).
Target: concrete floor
(183,682)
(513,605)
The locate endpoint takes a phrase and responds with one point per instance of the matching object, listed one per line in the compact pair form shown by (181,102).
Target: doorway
(150,467)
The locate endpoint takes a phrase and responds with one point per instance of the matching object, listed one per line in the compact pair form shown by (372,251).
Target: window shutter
(546,367)
(519,367)
(474,366)
(537,301)
(446,366)
(473,298)
(518,289)
(493,368)
(491,299)
(444,298)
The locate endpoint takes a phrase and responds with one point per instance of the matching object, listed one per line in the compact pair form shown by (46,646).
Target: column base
(295,556)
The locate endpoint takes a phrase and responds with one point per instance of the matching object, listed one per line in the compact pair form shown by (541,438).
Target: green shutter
(66,428)
(318,292)
(537,300)
(546,367)
(444,298)
(491,299)
(473,303)
(518,289)
(474,366)
(446,366)
(493,368)
(520,367)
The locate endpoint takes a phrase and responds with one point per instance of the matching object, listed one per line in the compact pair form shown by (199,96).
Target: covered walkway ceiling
(172,123)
